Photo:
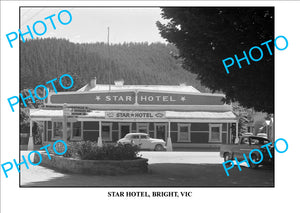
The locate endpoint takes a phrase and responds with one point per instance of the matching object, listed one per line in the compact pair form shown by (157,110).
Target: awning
(206,115)
(39,114)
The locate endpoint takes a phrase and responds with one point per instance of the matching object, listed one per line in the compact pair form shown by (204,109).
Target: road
(196,169)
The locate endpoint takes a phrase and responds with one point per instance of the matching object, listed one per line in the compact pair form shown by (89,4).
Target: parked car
(244,146)
(143,141)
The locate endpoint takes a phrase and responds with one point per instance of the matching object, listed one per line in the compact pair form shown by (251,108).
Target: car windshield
(258,141)
(245,140)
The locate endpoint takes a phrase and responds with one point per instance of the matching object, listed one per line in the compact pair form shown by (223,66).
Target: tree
(243,115)
(206,36)
(137,63)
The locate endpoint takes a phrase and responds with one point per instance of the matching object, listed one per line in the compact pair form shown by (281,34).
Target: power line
(28,20)
(37,13)
(109,69)
(26,12)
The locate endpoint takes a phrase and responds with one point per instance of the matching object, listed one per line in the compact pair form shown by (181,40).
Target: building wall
(199,132)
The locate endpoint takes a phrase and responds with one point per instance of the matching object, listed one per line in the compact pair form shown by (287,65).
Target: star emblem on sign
(182,98)
(98,98)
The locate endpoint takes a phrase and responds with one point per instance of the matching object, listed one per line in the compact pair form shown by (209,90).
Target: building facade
(180,115)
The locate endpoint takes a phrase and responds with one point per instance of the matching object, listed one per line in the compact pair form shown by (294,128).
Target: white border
(15,199)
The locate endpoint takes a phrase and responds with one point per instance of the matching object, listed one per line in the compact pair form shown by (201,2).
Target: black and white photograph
(149,106)
(142,98)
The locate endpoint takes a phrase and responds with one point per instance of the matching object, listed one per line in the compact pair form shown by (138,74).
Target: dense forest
(42,60)
(137,63)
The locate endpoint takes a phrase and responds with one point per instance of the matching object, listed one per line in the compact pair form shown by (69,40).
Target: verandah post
(30,141)
(65,119)
(237,132)
(169,141)
(100,144)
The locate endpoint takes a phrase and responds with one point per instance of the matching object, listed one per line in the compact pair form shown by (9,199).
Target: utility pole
(109,59)
(65,121)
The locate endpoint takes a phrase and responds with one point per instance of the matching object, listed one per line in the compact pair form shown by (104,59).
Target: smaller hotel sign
(136,115)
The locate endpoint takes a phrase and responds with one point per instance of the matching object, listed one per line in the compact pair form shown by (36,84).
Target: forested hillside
(136,63)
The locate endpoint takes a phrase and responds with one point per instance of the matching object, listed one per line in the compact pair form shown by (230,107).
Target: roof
(207,115)
(138,133)
(48,113)
(169,88)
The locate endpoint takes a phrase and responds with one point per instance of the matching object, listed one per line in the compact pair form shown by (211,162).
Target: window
(215,132)
(142,128)
(144,137)
(245,141)
(57,132)
(160,131)
(184,132)
(265,142)
(135,137)
(76,130)
(124,128)
(258,141)
(106,131)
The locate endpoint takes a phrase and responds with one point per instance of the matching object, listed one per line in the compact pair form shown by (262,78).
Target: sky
(90,24)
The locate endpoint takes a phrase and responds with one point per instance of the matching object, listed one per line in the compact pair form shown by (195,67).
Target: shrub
(87,150)
(37,131)
(60,148)
(90,151)
(37,127)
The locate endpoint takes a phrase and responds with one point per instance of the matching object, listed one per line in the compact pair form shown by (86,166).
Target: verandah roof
(228,116)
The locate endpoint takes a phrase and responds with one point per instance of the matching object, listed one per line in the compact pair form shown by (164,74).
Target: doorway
(124,128)
(161,131)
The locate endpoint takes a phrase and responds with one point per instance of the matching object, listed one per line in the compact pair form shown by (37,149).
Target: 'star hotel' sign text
(130,98)
(135,114)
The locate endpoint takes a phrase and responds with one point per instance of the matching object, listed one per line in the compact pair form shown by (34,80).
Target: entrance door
(161,131)
(124,129)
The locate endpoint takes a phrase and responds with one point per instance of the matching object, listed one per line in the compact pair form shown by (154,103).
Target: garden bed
(95,167)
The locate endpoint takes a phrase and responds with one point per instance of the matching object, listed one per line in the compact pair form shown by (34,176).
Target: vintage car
(244,146)
(143,141)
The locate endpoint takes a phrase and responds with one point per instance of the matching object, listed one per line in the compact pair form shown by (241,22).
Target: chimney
(182,84)
(93,82)
(119,83)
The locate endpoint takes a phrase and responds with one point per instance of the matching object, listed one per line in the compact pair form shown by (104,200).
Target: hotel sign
(135,114)
(154,98)
(93,98)
(137,98)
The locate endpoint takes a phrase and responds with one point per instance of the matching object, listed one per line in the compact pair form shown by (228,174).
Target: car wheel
(158,147)
(255,159)
(227,157)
